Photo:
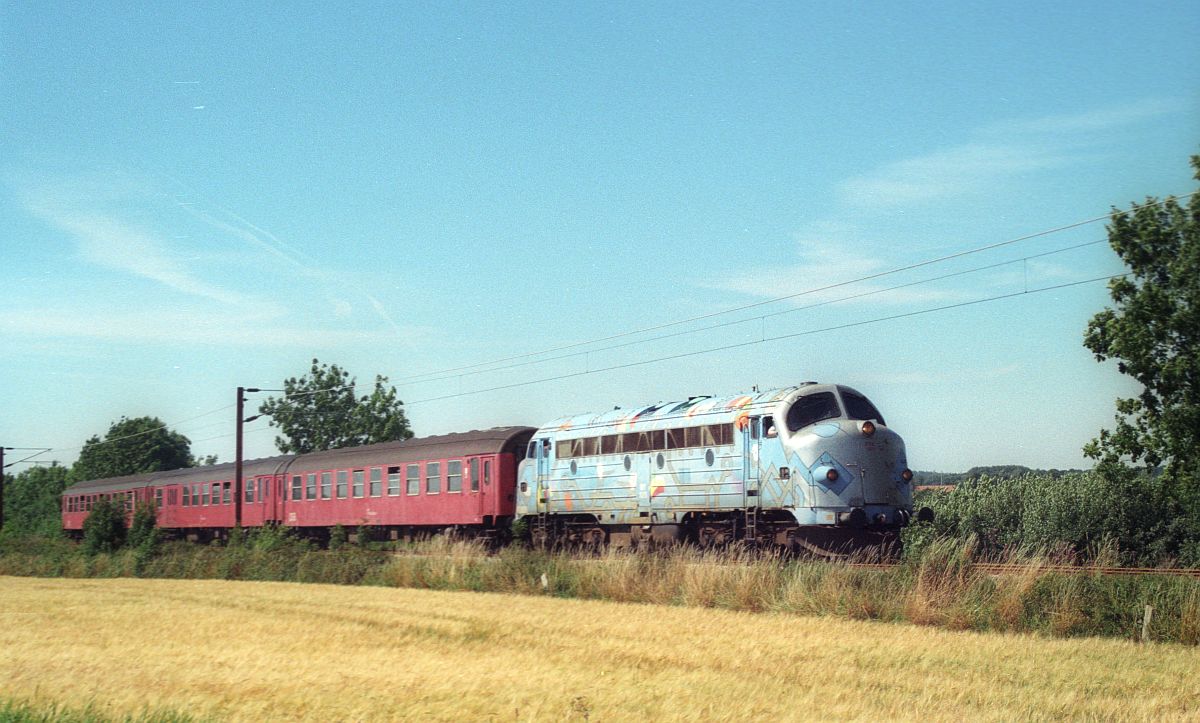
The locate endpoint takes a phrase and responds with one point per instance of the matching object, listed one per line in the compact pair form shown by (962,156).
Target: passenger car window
(811,409)
(433,478)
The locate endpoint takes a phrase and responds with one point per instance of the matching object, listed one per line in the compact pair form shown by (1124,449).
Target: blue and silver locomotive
(811,466)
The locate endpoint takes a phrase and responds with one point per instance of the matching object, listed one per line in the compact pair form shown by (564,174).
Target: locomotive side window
(859,407)
(413,480)
(343,485)
(532,450)
(768,425)
(454,476)
(475,472)
(326,485)
(187,496)
(358,482)
(248,494)
(297,485)
(226,493)
(376,481)
(811,409)
(310,486)
(487,472)
(611,444)
(393,481)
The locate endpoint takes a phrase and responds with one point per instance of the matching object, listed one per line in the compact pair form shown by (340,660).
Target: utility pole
(237,462)
(2,487)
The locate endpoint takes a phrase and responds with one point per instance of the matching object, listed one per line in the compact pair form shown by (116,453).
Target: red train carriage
(406,489)
(77,500)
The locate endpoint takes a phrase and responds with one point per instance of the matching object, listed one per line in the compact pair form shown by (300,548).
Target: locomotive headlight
(831,475)
(906,475)
(868,429)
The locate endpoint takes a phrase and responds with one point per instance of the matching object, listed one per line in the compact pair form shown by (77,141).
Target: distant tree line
(318,411)
(1001,471)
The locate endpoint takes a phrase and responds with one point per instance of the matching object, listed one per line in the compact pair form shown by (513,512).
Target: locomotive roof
(459,444)
(694,410)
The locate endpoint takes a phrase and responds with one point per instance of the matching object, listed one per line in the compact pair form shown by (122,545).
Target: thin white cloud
(181,326)
(1099,119)
(113,244)
(824,263)
(957,171)
(997,155)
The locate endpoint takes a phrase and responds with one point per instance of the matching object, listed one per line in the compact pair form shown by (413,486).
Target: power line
(763,317)
(744,307)
(738,345)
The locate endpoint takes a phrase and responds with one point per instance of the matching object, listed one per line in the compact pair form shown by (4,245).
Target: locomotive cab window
(811,409)
(859,407)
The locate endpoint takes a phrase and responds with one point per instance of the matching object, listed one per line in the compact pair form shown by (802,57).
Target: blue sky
(199,197)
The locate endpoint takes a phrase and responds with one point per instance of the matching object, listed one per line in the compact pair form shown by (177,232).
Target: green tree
(133,446)
(320,411)
(1154,334)
(32,501)
(104,527)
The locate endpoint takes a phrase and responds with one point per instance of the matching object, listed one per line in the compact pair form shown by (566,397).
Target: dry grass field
(252,651)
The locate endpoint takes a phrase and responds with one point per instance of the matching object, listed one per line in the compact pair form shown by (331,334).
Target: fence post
(1146,623)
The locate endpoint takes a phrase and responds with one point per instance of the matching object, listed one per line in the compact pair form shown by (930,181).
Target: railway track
(989,568)
(1015,569)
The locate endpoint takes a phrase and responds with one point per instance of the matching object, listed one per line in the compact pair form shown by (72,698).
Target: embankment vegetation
(943,586)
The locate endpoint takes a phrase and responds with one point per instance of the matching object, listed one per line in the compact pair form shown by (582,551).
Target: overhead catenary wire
(777,299)
(780,337)
(763,317)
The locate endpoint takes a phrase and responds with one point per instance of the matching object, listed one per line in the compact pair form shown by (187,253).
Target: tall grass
(944,587)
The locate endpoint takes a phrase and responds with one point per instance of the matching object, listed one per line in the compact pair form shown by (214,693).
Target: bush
(104,528)
(1075,514)
(142,531)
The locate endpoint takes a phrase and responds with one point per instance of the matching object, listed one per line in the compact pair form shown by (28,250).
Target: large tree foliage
(133,446)
(32,501)
(320,411)
(1154,334)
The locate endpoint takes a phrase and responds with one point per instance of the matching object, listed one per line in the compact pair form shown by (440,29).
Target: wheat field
(253,651)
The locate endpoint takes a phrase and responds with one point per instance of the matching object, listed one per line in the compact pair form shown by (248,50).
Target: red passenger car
(402,490)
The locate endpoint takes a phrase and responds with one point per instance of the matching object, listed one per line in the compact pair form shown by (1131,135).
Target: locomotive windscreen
(859,407)
(811,409)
